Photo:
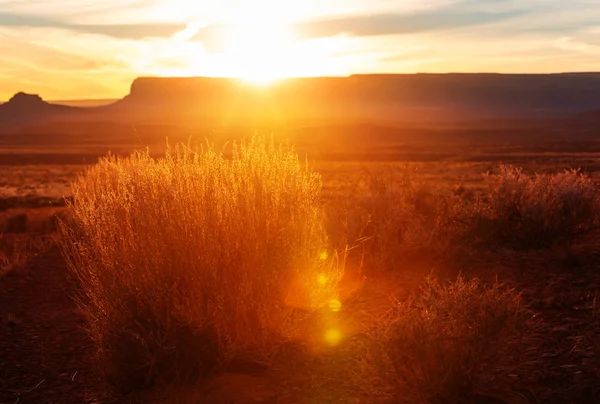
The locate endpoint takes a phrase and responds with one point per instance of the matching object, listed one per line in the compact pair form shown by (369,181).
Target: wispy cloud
(130,31)
(390,24)
(94,48)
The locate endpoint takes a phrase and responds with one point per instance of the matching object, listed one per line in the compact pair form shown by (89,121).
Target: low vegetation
(194,259)
(407,217)
(532,211)
(403,216)
(190,261)
(444,343)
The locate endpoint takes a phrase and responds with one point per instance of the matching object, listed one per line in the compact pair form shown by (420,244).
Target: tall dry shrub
(190,260)
(407,216)
(444,343)
(538,210)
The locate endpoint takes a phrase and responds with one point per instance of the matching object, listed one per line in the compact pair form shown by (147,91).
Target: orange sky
(72,49)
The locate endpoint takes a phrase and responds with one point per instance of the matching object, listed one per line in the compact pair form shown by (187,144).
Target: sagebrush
(189,260)
(446,341)
(400,217)
(403,215)
(539,210)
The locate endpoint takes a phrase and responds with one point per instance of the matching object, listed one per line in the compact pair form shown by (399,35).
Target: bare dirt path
(45,354)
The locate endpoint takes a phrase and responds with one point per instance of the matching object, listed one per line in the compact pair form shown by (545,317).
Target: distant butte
(22,98)
(384,98)
(25,108)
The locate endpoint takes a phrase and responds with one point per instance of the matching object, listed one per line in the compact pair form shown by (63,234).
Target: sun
(258,53)
(260,46)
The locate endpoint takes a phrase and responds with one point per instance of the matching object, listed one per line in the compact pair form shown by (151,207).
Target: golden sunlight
(322,280)
(259,51)
(335,305)
(333,336)
(260,46)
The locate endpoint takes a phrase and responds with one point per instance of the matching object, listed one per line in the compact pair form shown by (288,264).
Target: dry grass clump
(408,214)
(451,342)
(404,216)
(191,260)
(532,211)
(445,342)
(399,218)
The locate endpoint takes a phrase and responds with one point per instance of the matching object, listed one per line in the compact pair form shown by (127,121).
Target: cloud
(58,67)
(390,24)
(131,31)
(82,11)
(574,45)
(127,31)
(24,20)
(93,48)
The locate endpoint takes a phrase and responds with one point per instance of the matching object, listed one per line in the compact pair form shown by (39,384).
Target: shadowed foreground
(48,358)
(46,353)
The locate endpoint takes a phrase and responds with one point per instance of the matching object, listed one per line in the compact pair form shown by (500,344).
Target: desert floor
(47,356)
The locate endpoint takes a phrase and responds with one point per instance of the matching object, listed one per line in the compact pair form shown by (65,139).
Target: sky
(86,49)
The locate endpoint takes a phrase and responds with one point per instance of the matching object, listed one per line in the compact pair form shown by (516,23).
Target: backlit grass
(191,260)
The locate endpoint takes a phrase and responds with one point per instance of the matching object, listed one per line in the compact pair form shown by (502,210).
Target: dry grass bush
(404,216)
(532,211)
(444,343)
(401,217)
(191,260)
(450,343)
(408,215)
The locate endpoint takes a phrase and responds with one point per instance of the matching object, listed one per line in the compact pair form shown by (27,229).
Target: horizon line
(457,73)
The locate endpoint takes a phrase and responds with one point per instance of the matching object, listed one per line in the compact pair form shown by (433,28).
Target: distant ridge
(388,97)
(23,107)
(424,97)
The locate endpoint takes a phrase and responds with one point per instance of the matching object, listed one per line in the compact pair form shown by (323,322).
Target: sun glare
(335,305)
(333,336)
(260,46)
(258,51)
(256,42)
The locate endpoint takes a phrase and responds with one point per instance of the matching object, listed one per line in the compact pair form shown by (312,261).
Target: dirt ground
(46,354)
(48,358)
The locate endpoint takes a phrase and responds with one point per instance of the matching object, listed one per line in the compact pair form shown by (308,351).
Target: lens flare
(335,305)
(333,336)
(323,255)
(322,280)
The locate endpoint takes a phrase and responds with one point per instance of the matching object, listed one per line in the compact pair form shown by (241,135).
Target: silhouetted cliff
(376,97)
(25,108)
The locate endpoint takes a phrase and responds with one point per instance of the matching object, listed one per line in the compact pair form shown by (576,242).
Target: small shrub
(407,216)
(534,211)
(446,341)
(191,260)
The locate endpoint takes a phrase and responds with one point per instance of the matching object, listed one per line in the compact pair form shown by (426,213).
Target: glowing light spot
(323,255)
(322,280)
(333,336)
(335,305)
